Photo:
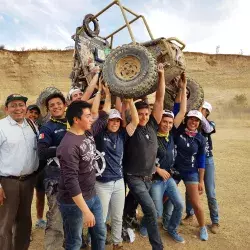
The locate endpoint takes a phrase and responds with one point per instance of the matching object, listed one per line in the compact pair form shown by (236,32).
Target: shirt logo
(41,136)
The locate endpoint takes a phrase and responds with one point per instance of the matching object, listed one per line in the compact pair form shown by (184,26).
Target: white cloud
(16,21)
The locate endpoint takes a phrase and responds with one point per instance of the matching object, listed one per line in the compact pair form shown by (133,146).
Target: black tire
(130,71)
(86,21)
(195,95)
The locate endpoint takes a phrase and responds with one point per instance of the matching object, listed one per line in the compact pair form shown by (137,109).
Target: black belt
(20,178)
(144,178)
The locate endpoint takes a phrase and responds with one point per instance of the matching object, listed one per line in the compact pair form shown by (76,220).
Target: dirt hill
(28,72)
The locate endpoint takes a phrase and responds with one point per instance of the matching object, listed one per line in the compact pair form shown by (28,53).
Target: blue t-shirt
(112,146)
(190,150)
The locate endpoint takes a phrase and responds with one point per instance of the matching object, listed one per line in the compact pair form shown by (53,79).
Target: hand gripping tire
(130,71)
(195,94)
(86,21)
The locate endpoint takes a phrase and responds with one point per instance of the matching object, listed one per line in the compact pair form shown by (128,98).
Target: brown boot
(117,246)
(214,228)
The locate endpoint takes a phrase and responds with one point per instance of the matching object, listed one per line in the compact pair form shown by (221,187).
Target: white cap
(114,113)
(168,113)
(73,90)
(208,106)
(195,113)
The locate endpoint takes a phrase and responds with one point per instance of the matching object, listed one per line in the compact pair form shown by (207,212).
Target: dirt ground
(232,147)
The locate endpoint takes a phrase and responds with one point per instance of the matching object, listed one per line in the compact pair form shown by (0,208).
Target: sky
(201,24)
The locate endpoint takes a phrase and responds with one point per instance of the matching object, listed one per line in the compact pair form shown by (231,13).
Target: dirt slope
(28,72)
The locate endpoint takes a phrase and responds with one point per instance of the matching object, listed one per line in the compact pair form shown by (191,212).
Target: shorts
(187,177)
(39,186)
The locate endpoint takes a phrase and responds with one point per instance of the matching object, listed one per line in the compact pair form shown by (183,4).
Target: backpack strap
(33,127)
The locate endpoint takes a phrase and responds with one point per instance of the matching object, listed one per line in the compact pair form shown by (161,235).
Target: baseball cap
(34,106)
(195,113)
(15,97)
(208,106)
(168,113)
(114,113)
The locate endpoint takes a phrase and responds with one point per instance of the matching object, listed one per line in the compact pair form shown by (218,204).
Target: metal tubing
(99,13)
(111,42)
(121,28)
(126,21)
(130,11)
(147,27)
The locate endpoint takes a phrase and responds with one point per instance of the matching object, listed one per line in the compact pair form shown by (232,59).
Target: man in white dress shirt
(18,165)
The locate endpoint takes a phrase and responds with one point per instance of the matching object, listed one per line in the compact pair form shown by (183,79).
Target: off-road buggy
(129,70)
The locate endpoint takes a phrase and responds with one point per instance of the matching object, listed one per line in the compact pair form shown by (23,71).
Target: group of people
(95,163)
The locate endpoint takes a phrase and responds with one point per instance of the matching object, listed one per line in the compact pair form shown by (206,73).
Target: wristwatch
(1,186)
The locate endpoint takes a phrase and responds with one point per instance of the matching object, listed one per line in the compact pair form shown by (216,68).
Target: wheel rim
(127,68)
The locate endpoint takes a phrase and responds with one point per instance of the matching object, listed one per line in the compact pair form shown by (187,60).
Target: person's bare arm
(107,104)
(118,104)
(183,106)
(159,96)
(88,217)
(96,102)
(90,89)
(131,127)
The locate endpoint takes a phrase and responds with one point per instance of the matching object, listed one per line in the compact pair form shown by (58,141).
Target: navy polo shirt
(209,143)
(112,145)
(165,153)
(189,150)
(52,133)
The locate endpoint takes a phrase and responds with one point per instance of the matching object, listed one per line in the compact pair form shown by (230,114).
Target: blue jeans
(140,189)
(170,189)
(209,181)
(168,208)
(73,224)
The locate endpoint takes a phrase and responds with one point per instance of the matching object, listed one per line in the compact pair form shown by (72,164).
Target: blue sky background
(201,24)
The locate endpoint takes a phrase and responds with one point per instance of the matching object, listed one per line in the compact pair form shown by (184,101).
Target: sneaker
(143,231)
(214,228)
(188,219)
(41,224)
(203,233)
(164,227)
(117,246)
(176,237)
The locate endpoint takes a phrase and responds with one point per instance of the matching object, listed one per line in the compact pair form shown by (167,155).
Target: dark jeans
(73,224)
(130,206)
(140,190)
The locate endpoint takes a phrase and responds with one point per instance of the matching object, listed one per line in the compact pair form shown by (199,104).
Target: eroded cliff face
(29,72)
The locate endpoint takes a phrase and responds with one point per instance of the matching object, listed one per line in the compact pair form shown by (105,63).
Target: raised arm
(107,104)
(183,106)
(131,127)
(96,102)
(90,89)
(159,97)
